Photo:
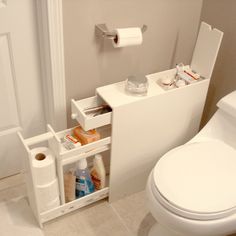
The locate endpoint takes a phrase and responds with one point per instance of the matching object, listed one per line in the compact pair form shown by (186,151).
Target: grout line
(12,187)
(11,182)
(12,196)
(121,220)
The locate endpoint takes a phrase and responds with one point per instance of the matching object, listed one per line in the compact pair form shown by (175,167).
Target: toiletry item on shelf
(98,173)
(185,73)
(186,77)
(84,184)
(67,144)
(70,142)
(180,67)
(180,83)
(168,83)
(86,137)
(98,110)
(137,85)
(194,75)
(69,185)
(73,140)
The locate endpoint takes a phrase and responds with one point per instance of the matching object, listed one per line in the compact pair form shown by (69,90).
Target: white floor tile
(126,217)
(11,181)
(11,193)
(134,213)
(96,220)
(17,219)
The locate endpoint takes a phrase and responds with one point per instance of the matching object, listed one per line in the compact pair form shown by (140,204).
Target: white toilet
(192,189)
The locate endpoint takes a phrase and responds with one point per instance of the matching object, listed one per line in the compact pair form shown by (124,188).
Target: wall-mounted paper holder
(102,30)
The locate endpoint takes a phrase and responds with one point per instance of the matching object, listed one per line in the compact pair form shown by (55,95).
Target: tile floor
(126,217)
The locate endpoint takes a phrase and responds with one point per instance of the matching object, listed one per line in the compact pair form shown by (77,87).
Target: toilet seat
(197,180)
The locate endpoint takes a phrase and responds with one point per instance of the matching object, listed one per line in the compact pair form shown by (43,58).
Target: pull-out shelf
(64,157)
(73,205)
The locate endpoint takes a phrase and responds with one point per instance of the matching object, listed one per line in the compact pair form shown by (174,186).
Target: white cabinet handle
(73,116)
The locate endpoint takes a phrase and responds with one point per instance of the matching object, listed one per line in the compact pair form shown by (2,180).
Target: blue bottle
(84,184)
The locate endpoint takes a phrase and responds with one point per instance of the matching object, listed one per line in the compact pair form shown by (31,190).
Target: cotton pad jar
(137,85)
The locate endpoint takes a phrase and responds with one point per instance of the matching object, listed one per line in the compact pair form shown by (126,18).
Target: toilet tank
(222,125)
(228,104)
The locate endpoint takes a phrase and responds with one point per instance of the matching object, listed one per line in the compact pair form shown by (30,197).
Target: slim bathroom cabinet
(135,134)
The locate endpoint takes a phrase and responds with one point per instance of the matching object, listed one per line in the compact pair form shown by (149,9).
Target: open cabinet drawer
(89,120)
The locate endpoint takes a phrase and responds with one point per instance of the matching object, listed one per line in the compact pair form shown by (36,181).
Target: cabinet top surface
(115,94)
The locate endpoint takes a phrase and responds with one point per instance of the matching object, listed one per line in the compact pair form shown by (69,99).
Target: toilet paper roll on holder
(102,30)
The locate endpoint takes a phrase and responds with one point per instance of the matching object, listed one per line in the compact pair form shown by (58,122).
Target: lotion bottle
(98,173)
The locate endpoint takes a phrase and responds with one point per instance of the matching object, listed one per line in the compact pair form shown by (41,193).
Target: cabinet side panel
(144,130)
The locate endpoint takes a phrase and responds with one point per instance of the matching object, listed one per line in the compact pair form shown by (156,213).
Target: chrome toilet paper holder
(102,30)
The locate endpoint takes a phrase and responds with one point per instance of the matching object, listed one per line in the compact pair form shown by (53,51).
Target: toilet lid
(198,177)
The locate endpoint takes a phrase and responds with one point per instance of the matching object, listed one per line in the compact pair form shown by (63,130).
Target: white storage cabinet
(142,129)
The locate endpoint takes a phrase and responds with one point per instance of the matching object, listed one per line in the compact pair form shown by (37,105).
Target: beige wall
(92,62)
(222,15)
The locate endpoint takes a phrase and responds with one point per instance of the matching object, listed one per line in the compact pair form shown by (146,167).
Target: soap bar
(86,137)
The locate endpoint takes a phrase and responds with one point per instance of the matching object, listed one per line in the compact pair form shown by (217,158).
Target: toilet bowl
(192,189)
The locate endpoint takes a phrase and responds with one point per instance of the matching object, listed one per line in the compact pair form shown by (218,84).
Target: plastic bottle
(98,173)
(84,184)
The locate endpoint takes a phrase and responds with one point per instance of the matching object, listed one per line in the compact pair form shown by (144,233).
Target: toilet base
(159,230)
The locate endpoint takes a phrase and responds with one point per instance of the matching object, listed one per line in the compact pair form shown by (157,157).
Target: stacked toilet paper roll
(44,171)
(127,37)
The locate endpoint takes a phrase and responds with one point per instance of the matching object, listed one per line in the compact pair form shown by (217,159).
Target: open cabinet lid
(206,50)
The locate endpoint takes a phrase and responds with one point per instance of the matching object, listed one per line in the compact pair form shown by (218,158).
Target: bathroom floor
(126,217)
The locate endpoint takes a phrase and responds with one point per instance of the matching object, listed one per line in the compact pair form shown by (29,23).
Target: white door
(21,99)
